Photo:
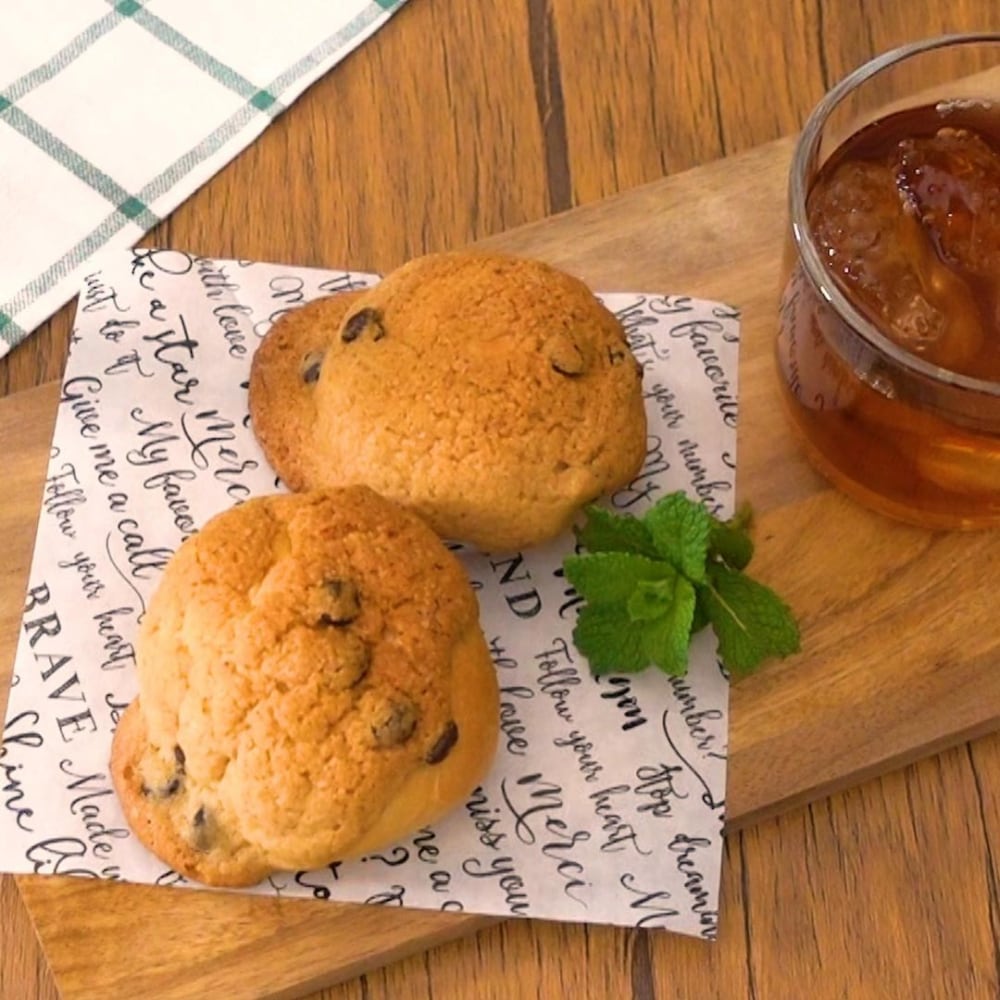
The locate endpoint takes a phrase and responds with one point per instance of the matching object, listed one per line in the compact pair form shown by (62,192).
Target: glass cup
(889,335)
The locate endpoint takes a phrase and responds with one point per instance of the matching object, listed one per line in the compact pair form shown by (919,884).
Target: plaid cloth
(112,113)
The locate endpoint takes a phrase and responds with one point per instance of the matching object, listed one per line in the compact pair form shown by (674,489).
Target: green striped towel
(112,112)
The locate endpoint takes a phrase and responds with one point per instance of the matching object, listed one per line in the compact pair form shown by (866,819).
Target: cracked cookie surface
(286,367)
(494,395)
(301,666)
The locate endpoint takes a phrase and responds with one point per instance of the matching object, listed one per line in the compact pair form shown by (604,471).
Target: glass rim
(817,272)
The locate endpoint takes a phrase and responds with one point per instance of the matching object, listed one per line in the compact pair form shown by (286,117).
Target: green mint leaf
(680,528)
(665,640)
(614,640)
(651,599)
(742,520)
(605,531)
(729,541)
(751,622)
(611,577)
(609,641)
(700,617)
(650,584)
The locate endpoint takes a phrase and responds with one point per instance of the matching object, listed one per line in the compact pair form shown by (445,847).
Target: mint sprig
(652,583)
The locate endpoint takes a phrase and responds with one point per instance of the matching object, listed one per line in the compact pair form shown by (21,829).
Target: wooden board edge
(878,769)
(415,945)
(289,959)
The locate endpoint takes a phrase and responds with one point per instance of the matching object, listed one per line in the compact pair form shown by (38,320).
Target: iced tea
(899,403)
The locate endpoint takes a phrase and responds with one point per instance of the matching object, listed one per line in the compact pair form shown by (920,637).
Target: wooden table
(461,120)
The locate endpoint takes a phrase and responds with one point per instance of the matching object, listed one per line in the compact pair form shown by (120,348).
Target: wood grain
(24,971)
(850,706)
(482,116)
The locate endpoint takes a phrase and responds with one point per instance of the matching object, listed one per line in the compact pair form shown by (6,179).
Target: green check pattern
(121,115)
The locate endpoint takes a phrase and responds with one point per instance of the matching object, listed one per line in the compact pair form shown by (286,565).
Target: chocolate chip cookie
(313,684)
(492,394)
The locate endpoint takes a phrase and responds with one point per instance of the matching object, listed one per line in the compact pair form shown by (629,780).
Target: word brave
(56,667)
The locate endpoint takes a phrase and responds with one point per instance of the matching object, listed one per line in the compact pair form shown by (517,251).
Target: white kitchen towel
(112,112)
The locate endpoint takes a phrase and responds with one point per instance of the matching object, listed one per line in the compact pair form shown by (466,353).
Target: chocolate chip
(361,321)
(342,602)
(202,829)
(443,745)
(172,785)
(397,725)
(311,365)
(164,791)
(362,667)
(616,355)
(565,356)
(562,370)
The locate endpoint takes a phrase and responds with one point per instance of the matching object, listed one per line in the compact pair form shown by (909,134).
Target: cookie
(494,395)
(313,685)
(286,367)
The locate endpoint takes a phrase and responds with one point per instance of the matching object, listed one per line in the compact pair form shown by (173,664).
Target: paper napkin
(607,797)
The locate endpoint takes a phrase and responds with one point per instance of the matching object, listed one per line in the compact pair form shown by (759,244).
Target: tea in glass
(889,340)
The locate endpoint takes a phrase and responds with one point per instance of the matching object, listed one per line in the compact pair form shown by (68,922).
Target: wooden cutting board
(901,649)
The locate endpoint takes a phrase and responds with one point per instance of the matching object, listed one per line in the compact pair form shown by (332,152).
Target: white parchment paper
(606,800)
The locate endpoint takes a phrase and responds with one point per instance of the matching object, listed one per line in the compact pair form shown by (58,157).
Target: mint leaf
(742,520)
(700,617)
(651,584)
(751,622)
(680,528)
(665,640)
(609,641)
(605,531)
(615,640)
(607,577)
(730,542)
(651,599)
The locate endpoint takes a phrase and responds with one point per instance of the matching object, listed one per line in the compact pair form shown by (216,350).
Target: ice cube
(872,238)
(918,324)
(851,212)
(953,180)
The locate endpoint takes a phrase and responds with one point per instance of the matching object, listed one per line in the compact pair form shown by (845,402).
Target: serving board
(900,645)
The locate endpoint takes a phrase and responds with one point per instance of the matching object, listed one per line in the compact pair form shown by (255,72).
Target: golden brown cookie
(286,367)
(313,684)
(492,394)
